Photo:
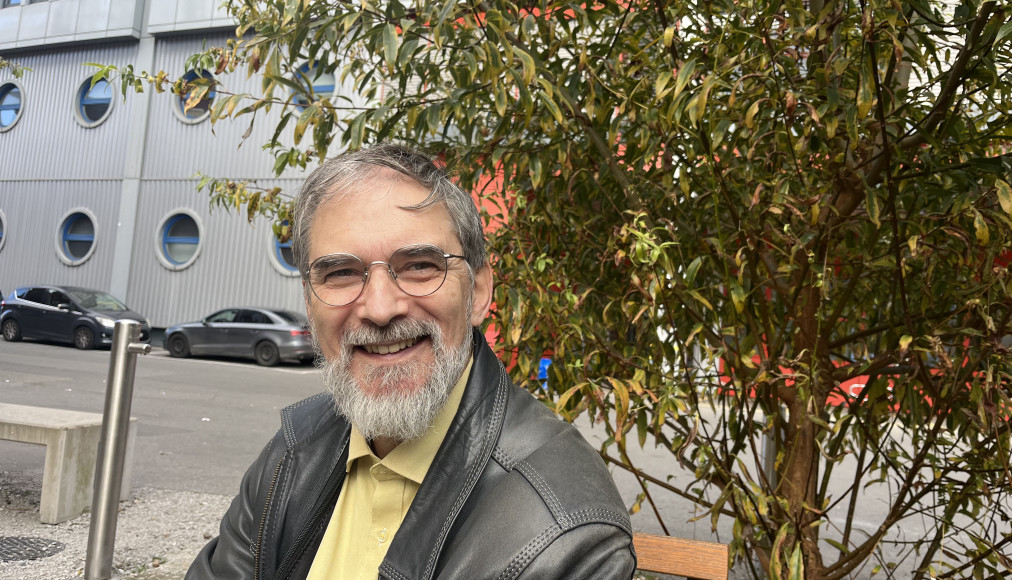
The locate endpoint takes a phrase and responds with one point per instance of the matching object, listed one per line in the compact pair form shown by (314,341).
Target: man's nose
(381,300)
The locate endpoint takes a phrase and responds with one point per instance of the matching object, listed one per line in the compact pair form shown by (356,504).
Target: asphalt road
(201,422)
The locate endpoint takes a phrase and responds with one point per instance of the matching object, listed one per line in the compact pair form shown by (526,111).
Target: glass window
(77,236)
(254,317)
(9,3)
(94,102)
(180,239)
(37,295)
(57,298)
(97,300)
(223,316)
(202,108)
(10,105)
(321,83)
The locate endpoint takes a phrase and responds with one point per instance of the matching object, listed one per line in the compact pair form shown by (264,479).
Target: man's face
(370,224)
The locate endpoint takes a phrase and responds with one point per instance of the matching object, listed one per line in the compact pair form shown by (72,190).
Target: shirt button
(381,536)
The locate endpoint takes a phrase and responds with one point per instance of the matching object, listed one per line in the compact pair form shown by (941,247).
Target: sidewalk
(158,533)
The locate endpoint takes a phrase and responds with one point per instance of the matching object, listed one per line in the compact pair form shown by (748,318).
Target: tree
(719,215)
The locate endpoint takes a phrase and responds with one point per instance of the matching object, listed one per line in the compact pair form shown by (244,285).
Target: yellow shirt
(375,497)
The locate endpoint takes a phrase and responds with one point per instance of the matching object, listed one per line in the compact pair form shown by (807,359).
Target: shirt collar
(411,459)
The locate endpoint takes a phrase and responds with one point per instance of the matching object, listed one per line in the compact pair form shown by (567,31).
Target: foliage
(719,216)
(16,69)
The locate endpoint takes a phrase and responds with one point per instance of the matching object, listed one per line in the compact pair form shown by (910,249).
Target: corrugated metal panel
(47,142)
(233,268)
(179,150)
(34,212)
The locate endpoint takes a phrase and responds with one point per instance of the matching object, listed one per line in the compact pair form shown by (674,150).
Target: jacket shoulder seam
(532,549)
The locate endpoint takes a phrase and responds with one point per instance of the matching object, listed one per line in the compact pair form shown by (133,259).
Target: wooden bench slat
(690,558)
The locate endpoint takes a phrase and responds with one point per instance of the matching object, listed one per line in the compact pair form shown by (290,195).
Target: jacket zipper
(263,521)
(284,570)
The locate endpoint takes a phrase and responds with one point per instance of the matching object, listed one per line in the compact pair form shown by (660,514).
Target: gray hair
(340,175)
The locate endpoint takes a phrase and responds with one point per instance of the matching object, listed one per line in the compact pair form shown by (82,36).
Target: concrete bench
(71,439)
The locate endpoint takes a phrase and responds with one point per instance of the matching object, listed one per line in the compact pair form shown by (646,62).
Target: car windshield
(293,317)
(97,300)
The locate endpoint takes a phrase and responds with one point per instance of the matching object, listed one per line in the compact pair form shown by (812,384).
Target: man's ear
(482,294)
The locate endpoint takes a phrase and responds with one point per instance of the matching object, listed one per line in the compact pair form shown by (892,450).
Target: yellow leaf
(750,115)
(1004,196)
(669,36)
(981,230)
(905,341)
(738,297)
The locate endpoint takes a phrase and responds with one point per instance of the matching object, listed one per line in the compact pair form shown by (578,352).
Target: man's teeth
(389,348)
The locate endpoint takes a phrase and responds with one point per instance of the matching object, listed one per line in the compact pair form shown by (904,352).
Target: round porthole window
(11,101)
(281,256)
(75,239)
(200,109)
(322,84)
(93,102)
(178,240)
(3,229)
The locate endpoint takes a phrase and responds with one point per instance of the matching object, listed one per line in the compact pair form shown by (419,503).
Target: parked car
(266,335)
(80,316)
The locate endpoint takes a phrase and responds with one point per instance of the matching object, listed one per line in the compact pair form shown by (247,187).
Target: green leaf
(550,104)
(873,207)
(866,91)
(390,40)
(307,116)
(528,65)
(1004,33)
(693,269)
(535,170)
(684,74)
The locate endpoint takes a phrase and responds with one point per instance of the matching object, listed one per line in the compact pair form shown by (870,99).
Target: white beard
(386,410)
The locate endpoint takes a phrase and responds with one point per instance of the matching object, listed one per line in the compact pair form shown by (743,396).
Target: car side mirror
(63,307)
(204,322)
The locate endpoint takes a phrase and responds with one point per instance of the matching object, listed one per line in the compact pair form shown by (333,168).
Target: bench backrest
(690,558)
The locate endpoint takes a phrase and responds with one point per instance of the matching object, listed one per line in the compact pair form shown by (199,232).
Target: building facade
(98,189)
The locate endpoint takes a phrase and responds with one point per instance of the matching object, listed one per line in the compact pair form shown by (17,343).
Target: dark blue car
(80,316)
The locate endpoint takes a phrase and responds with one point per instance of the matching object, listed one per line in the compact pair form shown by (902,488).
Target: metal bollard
(112,448)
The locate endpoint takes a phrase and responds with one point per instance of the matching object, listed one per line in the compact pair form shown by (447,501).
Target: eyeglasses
(418,270)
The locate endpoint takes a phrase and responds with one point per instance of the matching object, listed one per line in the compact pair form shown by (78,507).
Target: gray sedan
(268,336)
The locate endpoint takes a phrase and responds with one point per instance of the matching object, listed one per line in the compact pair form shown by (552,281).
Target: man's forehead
(376,217)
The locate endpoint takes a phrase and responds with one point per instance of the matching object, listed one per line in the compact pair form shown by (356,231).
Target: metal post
(112,448)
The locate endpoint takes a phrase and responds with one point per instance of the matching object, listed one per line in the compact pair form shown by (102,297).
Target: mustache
(395,331)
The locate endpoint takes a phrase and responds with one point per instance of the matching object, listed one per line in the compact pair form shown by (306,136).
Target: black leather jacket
(513,492)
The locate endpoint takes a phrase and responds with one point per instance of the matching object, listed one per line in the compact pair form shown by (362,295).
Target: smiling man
(421,460)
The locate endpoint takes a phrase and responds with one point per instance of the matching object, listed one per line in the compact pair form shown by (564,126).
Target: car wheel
(11,330)
(178,347)
(84,338)
(266,354)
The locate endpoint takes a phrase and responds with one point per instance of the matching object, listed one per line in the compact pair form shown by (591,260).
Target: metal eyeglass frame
(367,269)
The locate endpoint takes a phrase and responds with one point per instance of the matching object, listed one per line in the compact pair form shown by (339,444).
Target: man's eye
(420,266)
(343,273)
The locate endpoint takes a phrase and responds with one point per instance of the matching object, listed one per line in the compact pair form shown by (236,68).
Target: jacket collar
(461,458)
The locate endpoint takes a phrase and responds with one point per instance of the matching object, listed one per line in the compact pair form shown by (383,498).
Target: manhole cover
(25,548)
